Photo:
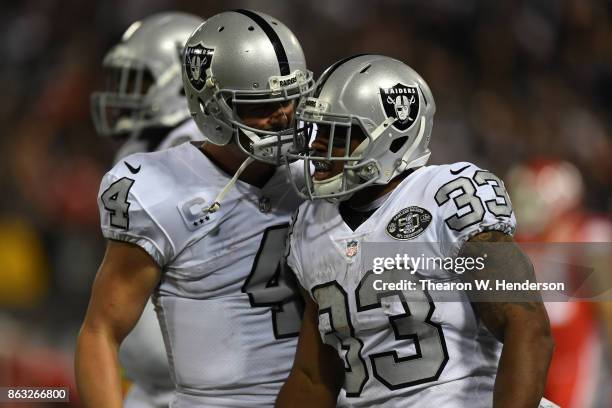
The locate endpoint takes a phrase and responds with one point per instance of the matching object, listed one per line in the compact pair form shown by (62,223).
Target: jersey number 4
(115,202)
(414,324)
(267,285)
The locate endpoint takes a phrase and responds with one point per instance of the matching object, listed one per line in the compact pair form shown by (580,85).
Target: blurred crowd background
(513,80)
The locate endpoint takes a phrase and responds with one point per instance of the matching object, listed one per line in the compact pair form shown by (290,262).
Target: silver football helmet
(144,87)
(243,57)
(390,105)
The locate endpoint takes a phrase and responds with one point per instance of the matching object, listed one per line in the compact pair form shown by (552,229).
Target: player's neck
(368,195)
(229,158)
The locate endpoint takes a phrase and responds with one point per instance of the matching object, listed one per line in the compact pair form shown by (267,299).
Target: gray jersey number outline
(268,286)
(115,202)
(415,323)
(469,199)
(333,302)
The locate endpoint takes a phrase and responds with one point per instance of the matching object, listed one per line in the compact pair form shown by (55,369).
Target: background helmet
(243,57)
(144,87)
(388,101)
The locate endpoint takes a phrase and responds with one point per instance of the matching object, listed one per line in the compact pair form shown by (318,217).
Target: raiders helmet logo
(197,61)
(409,223)
(402,103)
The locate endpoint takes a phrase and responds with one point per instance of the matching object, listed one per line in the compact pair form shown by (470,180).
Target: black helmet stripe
(281,54)
(330,71)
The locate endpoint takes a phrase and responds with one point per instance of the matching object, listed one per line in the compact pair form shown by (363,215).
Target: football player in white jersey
(382,347)
(201,226)
(144,105)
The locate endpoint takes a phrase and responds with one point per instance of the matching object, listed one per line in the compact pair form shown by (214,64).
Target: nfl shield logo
(197,61)
(351,248)
(402,102)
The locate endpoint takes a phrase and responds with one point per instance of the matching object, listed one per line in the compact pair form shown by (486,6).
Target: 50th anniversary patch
(409,223)
(197,61)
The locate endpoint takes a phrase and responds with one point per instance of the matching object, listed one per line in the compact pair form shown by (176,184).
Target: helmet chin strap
(217,203)
(331,185)
(251,135)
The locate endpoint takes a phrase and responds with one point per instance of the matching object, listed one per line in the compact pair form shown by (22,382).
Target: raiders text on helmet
(243,57)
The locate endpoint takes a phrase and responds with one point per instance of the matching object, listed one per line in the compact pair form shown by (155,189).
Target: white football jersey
(142,352)
(228,325)
(400,348)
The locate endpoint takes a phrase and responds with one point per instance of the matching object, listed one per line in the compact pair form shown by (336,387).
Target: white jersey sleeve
(471,200)
(124,217)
